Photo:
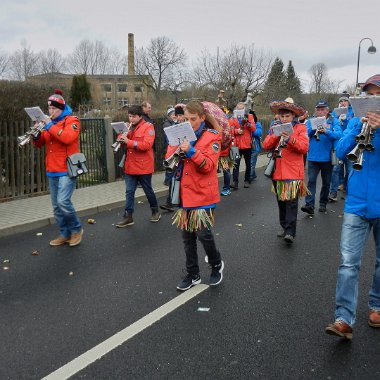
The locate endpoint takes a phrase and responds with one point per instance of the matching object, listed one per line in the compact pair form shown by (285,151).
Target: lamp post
(371,50)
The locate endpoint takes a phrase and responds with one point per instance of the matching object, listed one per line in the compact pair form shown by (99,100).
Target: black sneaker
(322,208)
(289,239)
(216,274)
(281,234)
(127,221)
(246,184)
(308,209)
(189,281)
(333,197)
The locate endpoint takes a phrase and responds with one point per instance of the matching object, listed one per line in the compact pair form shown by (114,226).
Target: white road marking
(122,336)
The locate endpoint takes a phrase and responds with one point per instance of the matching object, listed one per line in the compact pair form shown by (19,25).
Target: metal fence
(23,169)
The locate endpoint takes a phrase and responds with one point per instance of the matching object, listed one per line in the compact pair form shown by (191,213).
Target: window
(121,87)
(107,101)
(139,88)
(107,87)
(123,102)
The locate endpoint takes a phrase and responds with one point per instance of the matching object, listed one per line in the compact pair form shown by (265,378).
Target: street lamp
(371,50)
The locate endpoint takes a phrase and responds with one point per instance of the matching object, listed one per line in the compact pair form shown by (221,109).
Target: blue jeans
(313,170)
(226,179)
(61,190)
(246,153)
(253,164)
(337,177)
(355,232)
(131,182)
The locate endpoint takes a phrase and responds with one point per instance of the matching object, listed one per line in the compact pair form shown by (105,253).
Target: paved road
(265,321)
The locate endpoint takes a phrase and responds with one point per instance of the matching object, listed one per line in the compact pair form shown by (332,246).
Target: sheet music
(318,122)
(363,104)
(340,111)
(279,128)
(239,114)
(119,126)
(35,113)
(179,132)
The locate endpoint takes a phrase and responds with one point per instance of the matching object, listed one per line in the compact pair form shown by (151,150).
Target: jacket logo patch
(215,147)
(60,132)
(74,126)
(150,132)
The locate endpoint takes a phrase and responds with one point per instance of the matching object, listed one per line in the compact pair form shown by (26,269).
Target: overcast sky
(303,31)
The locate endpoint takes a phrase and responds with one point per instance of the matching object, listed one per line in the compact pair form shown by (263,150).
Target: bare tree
(4,59)
(238,70)
(23,62)
(319,77)
(163,61)
(51,61)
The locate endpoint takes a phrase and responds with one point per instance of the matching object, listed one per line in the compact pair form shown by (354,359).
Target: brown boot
(126,221)
(76,238)
(60,240)
(339,328)
(374,318)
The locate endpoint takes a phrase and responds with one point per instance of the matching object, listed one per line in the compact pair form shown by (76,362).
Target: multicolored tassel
(226,163)
(288,190)
(193,220)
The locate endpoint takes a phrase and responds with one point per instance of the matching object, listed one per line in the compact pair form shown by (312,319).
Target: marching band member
(61,138)
(199,195)
(361,214)
(288,177)
(319,157)
(256,145)
(242,129)
(139,164)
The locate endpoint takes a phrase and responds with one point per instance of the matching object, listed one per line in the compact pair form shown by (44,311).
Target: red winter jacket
(291,165)
(139,153)
(199,181)
(61,140)
(243,141)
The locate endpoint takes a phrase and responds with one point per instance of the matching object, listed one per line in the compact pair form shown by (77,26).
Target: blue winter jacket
(256,135)
(320,151)
(363,187)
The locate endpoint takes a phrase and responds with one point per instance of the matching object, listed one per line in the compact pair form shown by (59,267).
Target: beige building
(107,91)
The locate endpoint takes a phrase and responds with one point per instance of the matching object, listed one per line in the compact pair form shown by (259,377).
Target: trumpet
(316,134)
(33,132)
(171,163)
(281,144)
(117,144)
(364,142)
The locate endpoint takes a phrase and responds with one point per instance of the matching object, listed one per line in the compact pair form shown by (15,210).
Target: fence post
(110,157)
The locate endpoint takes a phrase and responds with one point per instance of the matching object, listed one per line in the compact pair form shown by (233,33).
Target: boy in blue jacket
(361,214)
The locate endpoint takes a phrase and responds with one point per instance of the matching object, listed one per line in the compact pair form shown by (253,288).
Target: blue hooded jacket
(363,188)
(320,151)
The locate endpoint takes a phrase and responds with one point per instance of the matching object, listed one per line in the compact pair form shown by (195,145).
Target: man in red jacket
(139,164)
(61,137)
(242,129)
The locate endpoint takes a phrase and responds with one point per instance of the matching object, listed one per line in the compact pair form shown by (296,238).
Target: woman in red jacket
(289,174)
(199,194)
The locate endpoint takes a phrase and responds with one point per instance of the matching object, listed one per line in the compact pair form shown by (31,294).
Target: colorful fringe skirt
(193,220)
(289,190)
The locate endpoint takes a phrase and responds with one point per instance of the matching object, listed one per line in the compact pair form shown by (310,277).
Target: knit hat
(179,110)
(375,79)
(344,98)
(169,111)
(57,100)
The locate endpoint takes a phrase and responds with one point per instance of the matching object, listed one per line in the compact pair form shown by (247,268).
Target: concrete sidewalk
(25,214)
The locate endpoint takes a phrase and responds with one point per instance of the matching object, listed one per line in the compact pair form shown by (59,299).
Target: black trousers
(287,211)
(206,237)
(246,153)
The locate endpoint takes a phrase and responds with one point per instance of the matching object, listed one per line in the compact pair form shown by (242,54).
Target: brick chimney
(131,54)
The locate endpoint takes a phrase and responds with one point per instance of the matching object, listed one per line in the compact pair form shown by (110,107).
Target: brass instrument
(117,144)
(33,132)
(281,144)
(364,143)
(171,163)
(317,133)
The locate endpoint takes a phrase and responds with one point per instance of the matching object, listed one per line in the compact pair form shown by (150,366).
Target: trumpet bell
(23,140)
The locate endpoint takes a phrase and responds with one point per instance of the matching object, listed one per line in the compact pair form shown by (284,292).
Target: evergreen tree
(80,91)
(293,83)
(274,88)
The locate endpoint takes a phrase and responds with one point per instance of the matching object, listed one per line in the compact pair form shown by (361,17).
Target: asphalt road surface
(265,320)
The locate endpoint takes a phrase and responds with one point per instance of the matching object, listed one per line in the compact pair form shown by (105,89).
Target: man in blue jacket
(319,156)
(361,214)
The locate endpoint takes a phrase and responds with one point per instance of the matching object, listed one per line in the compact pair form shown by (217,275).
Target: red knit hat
(57,100)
